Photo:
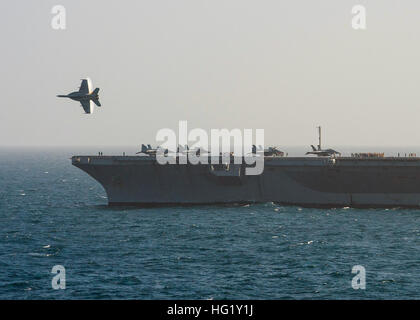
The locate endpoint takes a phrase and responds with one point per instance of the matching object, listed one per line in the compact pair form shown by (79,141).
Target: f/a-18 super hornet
(322,152)
(268,152)
(85,96)
(181,150)
(148,150)
(186,150)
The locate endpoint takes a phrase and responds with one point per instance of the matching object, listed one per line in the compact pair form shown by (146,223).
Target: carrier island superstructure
(322,179)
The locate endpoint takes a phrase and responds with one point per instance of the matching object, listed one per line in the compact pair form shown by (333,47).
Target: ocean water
(52,213)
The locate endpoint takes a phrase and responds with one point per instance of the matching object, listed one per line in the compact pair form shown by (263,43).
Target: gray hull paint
(305,181)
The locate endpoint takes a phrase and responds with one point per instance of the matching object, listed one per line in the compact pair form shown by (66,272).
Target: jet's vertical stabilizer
(95,97)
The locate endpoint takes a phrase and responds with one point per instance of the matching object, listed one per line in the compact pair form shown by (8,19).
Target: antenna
(319,137)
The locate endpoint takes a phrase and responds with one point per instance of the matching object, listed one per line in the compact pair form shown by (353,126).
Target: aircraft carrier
(361,180)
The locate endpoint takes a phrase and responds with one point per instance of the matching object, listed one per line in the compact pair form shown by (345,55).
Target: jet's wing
(86,86)
(87,106)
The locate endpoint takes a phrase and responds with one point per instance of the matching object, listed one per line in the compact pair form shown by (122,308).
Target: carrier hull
(303,181)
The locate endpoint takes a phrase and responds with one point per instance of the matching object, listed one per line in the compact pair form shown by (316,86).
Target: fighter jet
(269,152)
(85,96)
(186,150)
(322,152)
(273,152)
(148,150)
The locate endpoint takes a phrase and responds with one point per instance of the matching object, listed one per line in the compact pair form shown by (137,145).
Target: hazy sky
(284,66)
